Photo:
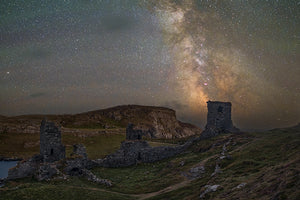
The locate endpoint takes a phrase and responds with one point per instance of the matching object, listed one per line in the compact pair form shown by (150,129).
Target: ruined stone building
(133,133)
(51,148)
(218,119)
(135,150)
(80,150)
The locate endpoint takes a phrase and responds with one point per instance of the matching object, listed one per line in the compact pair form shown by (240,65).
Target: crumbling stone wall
(25,168)
(51,147)
(218,119)
(132,152)
(135,150)
(80,150)
(132,133)
(48,163)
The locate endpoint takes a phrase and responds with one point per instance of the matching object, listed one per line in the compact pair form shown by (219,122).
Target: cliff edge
(155,122)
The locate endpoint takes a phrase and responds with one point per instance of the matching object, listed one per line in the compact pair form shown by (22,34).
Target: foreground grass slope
(269,166)
(267,163)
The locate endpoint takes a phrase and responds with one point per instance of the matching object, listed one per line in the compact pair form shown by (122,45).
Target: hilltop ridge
(157,122)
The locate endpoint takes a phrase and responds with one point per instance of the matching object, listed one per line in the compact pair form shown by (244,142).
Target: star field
(75,56)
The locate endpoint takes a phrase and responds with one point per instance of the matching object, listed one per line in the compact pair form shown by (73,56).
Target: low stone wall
(25,168)
(132,152)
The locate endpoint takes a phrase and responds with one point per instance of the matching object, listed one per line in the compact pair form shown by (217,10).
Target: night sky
(78,55)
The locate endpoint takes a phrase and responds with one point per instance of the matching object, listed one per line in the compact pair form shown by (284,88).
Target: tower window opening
(220,109)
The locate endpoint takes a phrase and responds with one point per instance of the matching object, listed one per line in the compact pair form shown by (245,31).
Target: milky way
(75,56)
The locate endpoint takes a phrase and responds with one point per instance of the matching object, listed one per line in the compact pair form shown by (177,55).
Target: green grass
(268,162)
(141,178)
(26,145)
(97,146)
(269,165)
(46,191)
(18,141)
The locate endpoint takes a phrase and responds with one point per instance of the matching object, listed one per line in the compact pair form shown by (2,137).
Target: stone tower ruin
(132,133)
(218,119)
(51,147)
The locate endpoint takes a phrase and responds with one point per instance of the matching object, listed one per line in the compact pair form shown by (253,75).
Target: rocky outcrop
(208,189)
(240,186)
(92,177)
(195,172)
(154,122)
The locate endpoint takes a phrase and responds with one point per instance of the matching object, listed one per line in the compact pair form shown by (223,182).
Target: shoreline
(10,159)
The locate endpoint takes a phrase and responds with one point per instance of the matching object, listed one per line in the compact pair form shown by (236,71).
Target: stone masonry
(132,133)
(135,150)
(80,150)
(51,147)
(49,163)
(218,119)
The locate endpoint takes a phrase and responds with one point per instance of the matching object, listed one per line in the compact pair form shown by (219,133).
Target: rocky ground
(230,166)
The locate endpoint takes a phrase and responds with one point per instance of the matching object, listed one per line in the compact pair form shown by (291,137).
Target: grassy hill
(255,166)
(156,122)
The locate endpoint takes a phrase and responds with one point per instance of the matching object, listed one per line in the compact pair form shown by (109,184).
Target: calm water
(4,167)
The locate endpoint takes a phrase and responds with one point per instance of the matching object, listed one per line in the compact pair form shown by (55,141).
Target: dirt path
(103,190)
(185,182)
(173,187)
(165,190)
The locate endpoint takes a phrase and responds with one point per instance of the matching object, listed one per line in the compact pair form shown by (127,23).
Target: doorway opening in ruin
(220,109)
(51,152)
(139,156)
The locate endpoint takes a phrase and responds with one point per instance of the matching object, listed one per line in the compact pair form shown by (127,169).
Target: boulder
(92,177)
(208,189)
